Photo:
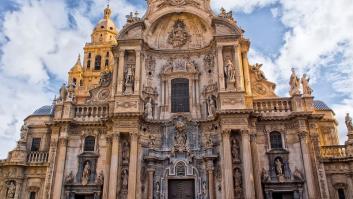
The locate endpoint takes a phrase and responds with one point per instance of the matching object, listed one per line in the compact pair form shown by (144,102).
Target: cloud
(40,41)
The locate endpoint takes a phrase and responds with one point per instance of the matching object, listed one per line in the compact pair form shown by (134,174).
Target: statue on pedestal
(63,92)
(305,83)
(229,71)
(259,74)
(235,150)
(294,84)
(86,174)
(149,109)
(211,108)
(129,79)
(348,121)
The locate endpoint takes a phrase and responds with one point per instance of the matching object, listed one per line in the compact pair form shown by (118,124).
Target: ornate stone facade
(169,107)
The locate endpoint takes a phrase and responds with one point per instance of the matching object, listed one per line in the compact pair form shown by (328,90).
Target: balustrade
(335,151)
(37,157)
(273,105)
(90,113)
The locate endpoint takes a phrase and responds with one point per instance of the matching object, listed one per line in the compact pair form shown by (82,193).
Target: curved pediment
(179,31)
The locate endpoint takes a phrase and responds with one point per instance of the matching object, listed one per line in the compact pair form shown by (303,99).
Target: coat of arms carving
(179,36)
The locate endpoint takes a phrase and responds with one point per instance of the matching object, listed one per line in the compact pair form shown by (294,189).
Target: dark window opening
(74,82)
(89,55)
(89,143)
(341,194)
(35,144)
(276,140)
(32,195)
(107,55)
(81,82)
(180,95)
(89,64)
(97,64)
(106,62)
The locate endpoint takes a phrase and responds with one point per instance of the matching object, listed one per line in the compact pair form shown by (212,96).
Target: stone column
(247,166)
(256,167)
(18,191)
(246,73)
(115,74)
(119,87)
(114,165)
(107,168)
(133,166)
(211,180)
(227,166)
(308,172)
(220,68)
(137,72)
(239,79)
(150,171)
(60,168)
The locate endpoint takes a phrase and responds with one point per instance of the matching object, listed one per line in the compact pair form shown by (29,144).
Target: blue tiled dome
(44,110)
(321,106)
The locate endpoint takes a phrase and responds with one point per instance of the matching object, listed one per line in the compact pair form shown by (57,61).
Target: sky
(41,39)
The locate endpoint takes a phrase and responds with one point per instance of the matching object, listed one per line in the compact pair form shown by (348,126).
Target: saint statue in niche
(148,109)
(11,189)
(279,166)
(86,174)
(124,179)
(125,152)
(235,150)
(211,108)
(229,70)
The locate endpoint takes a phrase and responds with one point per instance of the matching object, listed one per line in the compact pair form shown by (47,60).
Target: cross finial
(108,1)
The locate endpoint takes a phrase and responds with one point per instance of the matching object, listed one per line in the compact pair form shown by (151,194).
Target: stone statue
(265,177)
(180,136)
(190,66)
(63,92)
(100,178)
(229,71)
(278,166)
(211,108)
(348,121)
(237,178)
(129,76)
(209,142)
(125,180)
(235,150)
(225,14)
(69,179)
(305,83)
(11,190)
(86,174)
(294,84)
(125,151)
(24,131)
(204,190)
(71,92)
(148,109)
(259,74)
(158,189)
(152,141)
(297,175)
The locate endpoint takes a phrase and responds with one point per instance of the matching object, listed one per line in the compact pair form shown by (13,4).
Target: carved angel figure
(348,121)
(100,178)
(294,84)
(305,83)
(259,74)
(229,70)
(11,189)
(69,178)
(63,92)
(297,175)
(86,174)
(265,177)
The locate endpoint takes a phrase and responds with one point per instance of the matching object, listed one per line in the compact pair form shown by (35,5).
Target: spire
(77,66)
(78,62)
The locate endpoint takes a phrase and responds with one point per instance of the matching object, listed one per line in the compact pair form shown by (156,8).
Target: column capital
(134,135)
(302,135)
(62,141)
(121,53)
(226,132)
(252,137)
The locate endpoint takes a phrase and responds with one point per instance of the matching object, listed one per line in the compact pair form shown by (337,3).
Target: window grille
(89,143)
(276,140)
(180,95)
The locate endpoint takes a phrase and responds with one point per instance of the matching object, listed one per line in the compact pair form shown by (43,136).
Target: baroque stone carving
(69,179)
(149,109)
(100,178)
(229,71)
(180,137)
(348,121)
(211,106)
(129,79)
(237,176)
(209,61)
(125,151)
(86,174)
(226,15)
(297,175)
(11,189)
(178,3)
(150,65)
(105,78)
(132,17)
(305,83)
(63,92)
(265,177)
(235,150)
(294,84)
(179,35)
(259,74)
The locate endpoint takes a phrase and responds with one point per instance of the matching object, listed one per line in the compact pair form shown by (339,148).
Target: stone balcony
(91,113)
(335,151)
(273,106)
(37,157)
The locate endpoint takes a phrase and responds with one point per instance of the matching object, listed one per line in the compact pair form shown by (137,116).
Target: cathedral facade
(169,107)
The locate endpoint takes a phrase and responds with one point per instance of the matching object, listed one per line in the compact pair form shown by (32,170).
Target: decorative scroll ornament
(177,3)
(105,78)
(11,189)
(180,137)
(179,36)
(259,74)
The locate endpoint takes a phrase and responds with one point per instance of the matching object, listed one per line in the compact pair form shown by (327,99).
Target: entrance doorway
(84,196)
(282,195)
(181,189)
